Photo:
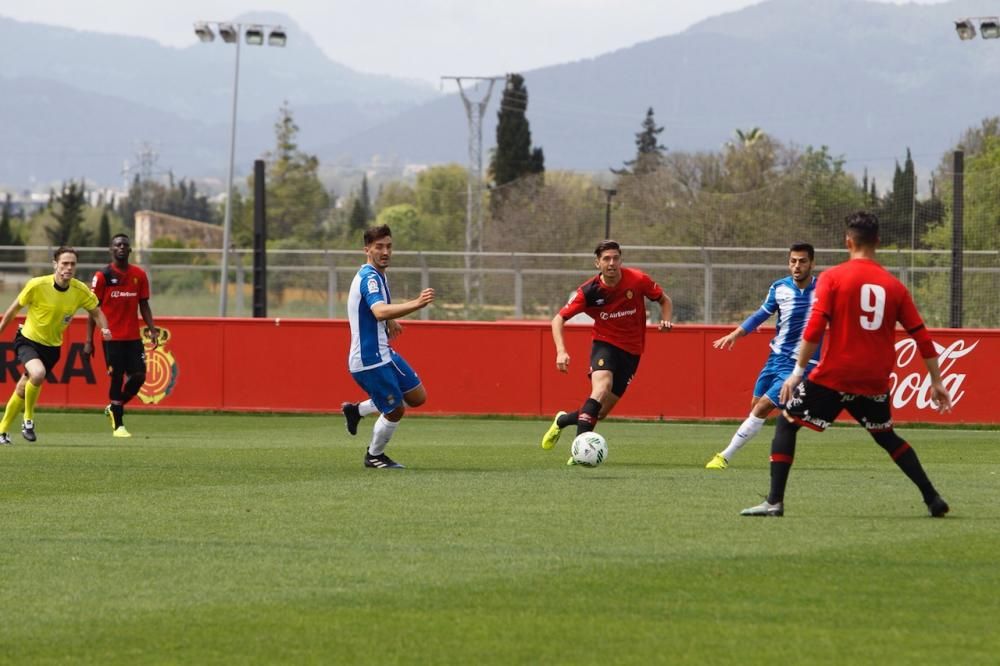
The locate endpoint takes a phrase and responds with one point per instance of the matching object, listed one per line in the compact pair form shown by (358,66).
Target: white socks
(381,434)
(747,430)
(367,408)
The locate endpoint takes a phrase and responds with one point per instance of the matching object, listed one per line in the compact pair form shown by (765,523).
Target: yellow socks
(14,406)
(31,393)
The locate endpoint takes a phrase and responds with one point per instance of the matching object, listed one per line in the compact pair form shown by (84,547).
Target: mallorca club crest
(161,368)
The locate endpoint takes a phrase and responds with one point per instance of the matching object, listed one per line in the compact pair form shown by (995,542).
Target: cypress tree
(649,151)
(514,156)
(9,237)
(5,233)
(365,199)
(69,216)
(358,219)
(104,229)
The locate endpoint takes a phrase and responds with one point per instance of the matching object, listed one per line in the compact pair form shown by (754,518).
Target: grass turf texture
(262,539)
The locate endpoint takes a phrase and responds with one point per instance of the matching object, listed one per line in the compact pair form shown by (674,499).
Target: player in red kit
(122,289)
(616,300)
(858,304)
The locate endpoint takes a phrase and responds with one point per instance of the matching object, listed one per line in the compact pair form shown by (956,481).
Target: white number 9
(873,304)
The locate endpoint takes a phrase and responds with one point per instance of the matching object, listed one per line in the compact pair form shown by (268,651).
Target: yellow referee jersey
(50,309)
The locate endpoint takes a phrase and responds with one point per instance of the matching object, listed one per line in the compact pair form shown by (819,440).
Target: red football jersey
(862,302)
(619,312)
(119,296)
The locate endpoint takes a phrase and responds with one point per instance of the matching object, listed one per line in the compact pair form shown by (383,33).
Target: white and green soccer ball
(589,449)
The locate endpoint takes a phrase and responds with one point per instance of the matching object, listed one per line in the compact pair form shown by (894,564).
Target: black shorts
(129,356)
(28,350)
(623,366)
(816,407)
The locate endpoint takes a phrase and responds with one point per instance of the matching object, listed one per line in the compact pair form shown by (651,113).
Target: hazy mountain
(78,103)
(866,79)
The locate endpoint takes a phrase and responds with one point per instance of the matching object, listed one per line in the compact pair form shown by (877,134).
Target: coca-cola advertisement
(969,360)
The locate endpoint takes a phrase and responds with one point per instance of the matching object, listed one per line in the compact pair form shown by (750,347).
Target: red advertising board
(486,368)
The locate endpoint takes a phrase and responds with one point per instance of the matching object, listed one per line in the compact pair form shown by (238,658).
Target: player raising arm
(791,297)
(858,304)
(389,381)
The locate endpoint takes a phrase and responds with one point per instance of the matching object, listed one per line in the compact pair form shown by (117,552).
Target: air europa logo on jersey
(619,314)
(917,385)
(161,369)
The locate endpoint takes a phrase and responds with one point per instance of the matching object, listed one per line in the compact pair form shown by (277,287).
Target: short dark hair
(63,249)
(125,236)
(862,227)
(803,247)
(605,245)
(372,234)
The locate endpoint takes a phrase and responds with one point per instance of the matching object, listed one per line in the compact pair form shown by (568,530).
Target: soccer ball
(589,449)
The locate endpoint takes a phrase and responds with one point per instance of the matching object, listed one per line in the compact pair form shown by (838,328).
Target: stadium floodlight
(990,28)
(277,37)
(204,32)
(965,29)
(254,35)
(229,33)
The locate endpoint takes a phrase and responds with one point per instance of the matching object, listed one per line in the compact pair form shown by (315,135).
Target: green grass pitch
(212,539)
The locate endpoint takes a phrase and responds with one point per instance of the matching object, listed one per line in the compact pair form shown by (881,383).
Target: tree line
(755,191)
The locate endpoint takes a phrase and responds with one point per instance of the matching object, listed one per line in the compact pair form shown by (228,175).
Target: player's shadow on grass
(71,446)
(892,518)
(441,468)
(654,464)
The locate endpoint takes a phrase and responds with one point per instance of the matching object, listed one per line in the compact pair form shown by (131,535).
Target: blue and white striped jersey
(369,336)
(793,306)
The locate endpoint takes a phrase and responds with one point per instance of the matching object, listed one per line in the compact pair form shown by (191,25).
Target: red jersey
(619,312)
(861,301)
(119,294)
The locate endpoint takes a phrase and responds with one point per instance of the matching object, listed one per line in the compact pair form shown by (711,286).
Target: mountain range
(80,103)
(869,80)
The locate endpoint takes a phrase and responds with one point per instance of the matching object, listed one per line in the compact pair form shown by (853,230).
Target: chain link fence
(711,285)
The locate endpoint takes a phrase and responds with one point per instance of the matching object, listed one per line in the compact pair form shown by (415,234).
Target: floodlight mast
(230,34)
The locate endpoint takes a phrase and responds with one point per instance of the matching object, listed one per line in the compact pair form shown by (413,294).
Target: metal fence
(710,285)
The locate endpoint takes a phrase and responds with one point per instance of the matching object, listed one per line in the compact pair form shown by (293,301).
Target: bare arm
(393,329)
(9,315)
(101,321)
(666,312)
(728,341)
(806,352)
(88,343)
(939,394)
(383,311)
(562,357)
(147,316)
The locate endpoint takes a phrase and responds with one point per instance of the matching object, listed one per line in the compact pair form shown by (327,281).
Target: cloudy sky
(420,39)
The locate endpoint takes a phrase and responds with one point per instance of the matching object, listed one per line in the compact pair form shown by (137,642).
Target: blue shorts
(386,384)
(773,375)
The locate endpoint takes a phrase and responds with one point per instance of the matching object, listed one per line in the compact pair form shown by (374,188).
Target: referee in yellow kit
(52,300)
